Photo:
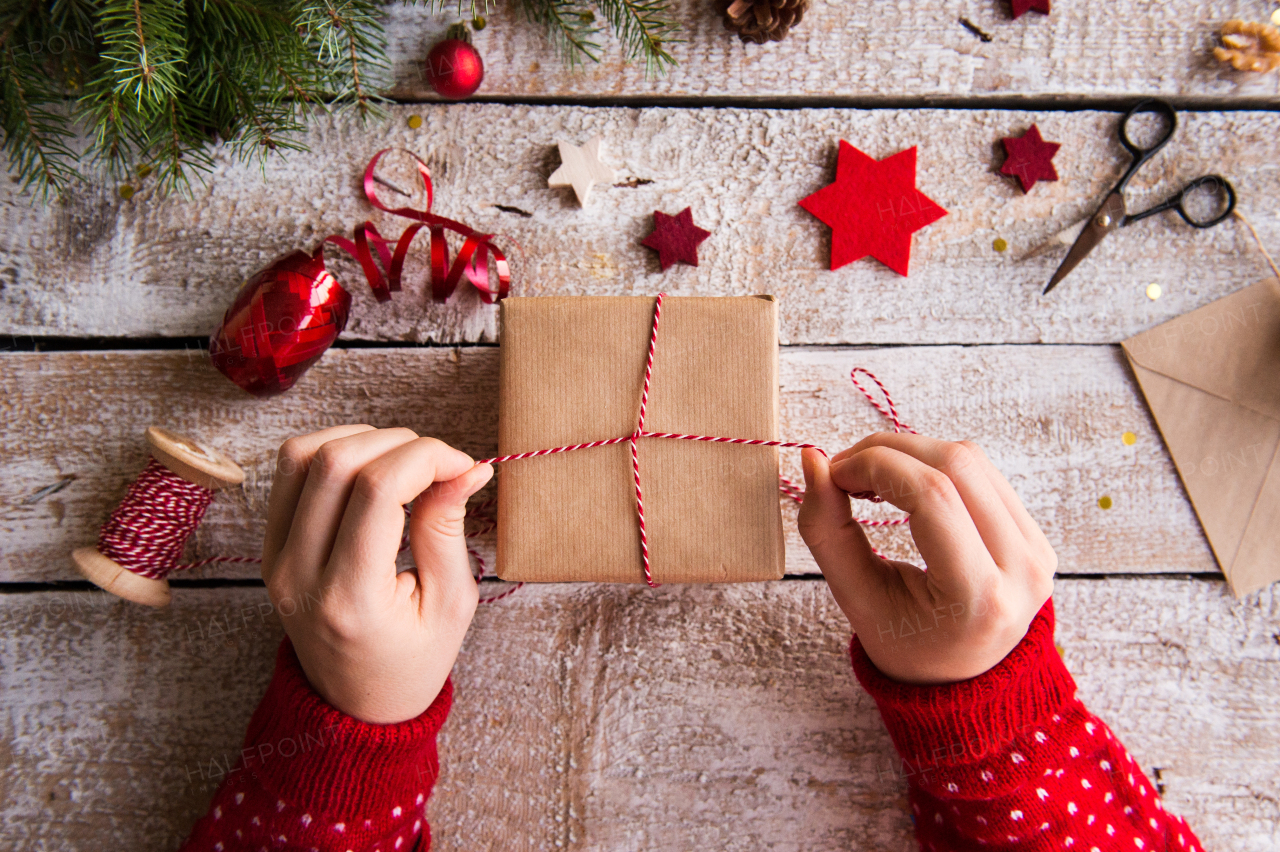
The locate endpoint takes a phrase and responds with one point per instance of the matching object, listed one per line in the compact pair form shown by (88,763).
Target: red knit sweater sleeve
(315,780)
(1012,760)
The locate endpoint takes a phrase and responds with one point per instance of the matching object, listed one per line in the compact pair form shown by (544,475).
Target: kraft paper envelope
(1212,380)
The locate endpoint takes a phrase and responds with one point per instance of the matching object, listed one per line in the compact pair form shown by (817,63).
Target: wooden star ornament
(873,208)
(581,169)
(675,238)
(1021,7)
(1030,158)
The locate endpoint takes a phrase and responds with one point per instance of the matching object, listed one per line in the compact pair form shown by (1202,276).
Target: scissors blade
(1063,239)
(1109,217)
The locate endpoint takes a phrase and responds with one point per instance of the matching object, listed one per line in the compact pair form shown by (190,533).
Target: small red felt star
(1030,158)
(873,208)
(675,238)
(1021,7)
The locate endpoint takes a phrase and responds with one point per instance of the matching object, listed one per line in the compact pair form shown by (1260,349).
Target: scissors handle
(1220,185)
(1141,154)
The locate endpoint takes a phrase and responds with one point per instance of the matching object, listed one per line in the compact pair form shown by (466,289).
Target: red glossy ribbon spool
(289,313)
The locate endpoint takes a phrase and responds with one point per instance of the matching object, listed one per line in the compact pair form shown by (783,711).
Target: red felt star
(1021,7)
(675,238)
(873,208)
(1030,158)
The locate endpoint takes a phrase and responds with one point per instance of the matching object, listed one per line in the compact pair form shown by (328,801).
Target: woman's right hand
(374,644)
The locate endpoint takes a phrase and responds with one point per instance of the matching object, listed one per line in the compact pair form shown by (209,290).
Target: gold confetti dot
(415,121)
(1129,439)
(126,191)
(1104,502)
(478,23)
(1061,651)
(1000,244)
(143,170)
(1154,291)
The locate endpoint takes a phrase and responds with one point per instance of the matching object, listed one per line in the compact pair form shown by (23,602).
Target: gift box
(572,371)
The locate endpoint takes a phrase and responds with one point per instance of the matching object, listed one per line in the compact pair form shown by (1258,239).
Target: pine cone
(1249,46)
(762,20)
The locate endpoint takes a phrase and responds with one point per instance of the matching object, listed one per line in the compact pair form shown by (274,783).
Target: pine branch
(225,20)
(75,17)
(73,26)
(570,25)
(159,81)
(35,136)
(179,145)
(348,40)
(464,8)
(303,92)
(117,131)
(646,27)
(144,48)
(252,118)
(15,15)
(251,74)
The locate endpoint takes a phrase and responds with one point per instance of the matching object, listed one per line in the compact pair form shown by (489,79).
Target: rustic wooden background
(700,717)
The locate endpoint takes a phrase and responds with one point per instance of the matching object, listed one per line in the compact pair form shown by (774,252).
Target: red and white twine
(148,531)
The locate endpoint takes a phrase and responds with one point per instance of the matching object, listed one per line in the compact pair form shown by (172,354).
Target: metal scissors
(1113,214)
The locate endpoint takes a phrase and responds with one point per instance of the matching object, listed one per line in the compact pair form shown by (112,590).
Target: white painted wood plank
(878,50)
(688,717)
(1050,417)
(147,267)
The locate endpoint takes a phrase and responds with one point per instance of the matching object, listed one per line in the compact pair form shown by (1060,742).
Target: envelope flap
(1229,348)
(1255,564)
(1222,452)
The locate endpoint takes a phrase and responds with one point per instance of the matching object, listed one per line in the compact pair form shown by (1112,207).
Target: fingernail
(806,464)
(481,482)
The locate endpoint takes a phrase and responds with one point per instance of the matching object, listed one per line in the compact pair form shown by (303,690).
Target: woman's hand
(989,567)
(375,645)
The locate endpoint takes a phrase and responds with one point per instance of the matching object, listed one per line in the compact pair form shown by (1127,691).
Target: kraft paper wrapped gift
(572,371)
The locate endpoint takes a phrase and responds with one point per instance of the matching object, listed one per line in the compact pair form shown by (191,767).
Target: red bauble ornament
(454,69)
(284,319)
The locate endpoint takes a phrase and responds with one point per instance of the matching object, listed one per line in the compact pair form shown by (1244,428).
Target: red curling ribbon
(289,313)
(472,260)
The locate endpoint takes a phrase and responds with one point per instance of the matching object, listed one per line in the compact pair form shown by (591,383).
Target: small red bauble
(454,69)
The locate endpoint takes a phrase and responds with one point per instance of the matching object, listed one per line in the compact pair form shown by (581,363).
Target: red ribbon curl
(472,259)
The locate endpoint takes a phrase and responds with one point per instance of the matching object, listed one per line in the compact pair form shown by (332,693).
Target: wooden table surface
(615,718)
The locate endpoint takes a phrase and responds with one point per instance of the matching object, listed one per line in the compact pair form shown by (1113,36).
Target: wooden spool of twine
(143,540)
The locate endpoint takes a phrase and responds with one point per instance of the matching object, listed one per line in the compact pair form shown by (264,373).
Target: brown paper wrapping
(572,370)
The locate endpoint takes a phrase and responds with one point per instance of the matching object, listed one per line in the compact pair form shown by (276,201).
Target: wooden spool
(189,460)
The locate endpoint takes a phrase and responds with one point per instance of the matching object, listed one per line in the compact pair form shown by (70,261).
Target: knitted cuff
(960,722)
(303,750)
